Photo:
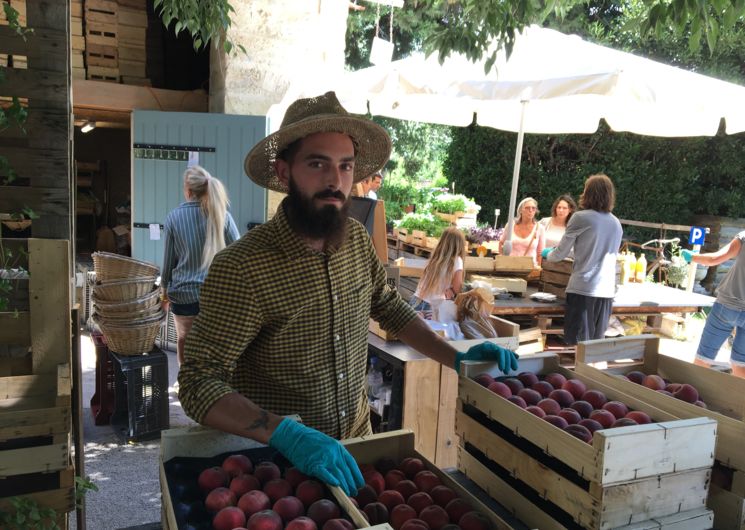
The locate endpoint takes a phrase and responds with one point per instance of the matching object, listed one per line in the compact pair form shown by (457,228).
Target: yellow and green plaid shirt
(287,327)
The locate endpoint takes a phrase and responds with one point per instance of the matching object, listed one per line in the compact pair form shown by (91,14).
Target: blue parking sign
(697,235)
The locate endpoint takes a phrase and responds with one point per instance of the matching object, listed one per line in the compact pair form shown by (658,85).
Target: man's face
(377,181)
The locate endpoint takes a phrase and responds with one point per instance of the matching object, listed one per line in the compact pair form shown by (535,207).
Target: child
(442,278)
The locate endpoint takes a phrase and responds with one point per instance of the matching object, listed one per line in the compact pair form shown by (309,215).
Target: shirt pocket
(355,299)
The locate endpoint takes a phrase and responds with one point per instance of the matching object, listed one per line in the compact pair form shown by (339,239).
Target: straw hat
(318,115)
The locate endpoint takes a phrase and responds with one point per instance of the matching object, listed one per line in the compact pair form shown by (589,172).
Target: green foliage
(11,15)
(28,515)
(204,21)
(426,222)
(82,486)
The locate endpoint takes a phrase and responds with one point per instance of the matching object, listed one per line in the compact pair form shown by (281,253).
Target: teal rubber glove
(546,251)
(318,455)
(488,351)
(687,255)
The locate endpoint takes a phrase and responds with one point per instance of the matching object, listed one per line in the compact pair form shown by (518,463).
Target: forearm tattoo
(262,422)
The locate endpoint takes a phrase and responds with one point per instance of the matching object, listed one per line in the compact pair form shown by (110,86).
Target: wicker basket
(123,290)
(130,316)
(130,338)
(110,266)
(108,308)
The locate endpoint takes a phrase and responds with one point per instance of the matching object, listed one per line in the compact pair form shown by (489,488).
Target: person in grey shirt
(728,312)
(594,234)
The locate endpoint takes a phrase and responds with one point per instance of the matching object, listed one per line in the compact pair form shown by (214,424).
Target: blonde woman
(194,232)
(528,236)
(555,226)
(442,278)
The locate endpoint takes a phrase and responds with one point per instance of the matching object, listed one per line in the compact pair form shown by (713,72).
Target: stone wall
(286,41)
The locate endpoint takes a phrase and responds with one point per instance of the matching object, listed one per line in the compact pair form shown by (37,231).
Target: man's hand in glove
(317,455)
(546,251)
(488,351)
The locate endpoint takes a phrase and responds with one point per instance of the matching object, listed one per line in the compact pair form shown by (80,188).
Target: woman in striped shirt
(194,232)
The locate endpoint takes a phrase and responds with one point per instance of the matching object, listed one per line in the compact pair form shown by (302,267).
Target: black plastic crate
(141,386)
(103,400)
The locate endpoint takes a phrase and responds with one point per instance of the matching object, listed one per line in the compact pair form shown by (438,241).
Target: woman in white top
(528,236)
(556,225)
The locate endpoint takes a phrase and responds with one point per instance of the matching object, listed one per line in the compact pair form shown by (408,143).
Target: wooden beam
(658,226)
(44,201)
(125,98)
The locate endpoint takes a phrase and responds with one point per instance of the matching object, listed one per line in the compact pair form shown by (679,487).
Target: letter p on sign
(697,235)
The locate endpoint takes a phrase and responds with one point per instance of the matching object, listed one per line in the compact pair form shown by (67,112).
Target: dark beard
(328,222)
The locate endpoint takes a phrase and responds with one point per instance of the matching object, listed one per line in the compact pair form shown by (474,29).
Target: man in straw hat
(284,311)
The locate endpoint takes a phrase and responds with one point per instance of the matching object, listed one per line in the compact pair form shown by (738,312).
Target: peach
(580,431)
(393,477)
(571,415)
(364,468)
(595,398)
(411,466)
(219,498)
(549,406)
(563,397)
(289,508)
(555,380)
(686,393)
(603,417)
(277,488)
(310,491)
(243,484)
(419,501)
(635,376)
(474,521)
(530,396)
(391,499)
(655,382)
(337,524)
(442,495)
(365,495)
(384,465)
(294,476)
(536,411)
(301,523)
(414,524)
(407,488)
(500,389)
(229,518)
(556,421)
(237,464)
(266,471)
(623,422)
(374,479)
(617,408)
(426,480)
(591,425)
(583,407)
(376,513)
(575,387)
(544,388)
(254,502)
(639,417)
(514,384)
(517,400)
(484,379)
(400,514)
(264,520)
(673,387)
(528,379)
(456,509)
(435,516)
(323,510)
(211,478)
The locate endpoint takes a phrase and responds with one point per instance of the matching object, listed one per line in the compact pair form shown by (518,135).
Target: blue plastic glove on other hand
(317,455)
(687,255)
(488,351)
(546,251)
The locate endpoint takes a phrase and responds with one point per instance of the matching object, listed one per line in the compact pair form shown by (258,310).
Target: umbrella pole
(507,247)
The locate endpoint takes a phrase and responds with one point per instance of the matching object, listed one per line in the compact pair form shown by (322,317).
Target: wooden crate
(474,263)
(132,53)
(627,475)
(522,264)
(59,494)
(138,81)
(103,11)
(555,276)
(132,68)
(76,26)
(530,339)
(132,17)
(102,73)
(513,285)
(100,55)
(411,267)
(131,35)
(101,33)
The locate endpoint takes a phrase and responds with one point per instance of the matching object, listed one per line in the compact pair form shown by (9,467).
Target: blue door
(163,143)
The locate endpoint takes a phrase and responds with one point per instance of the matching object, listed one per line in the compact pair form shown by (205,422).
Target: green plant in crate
(28,515)
(426,222)
(82,486)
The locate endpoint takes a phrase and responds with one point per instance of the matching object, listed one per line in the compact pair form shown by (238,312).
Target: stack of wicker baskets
(126,305)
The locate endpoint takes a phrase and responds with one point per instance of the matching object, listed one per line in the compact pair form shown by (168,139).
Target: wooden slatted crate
(722,393)
(99,55)
(516,264)
(101,11)
(627,475)
(555,276)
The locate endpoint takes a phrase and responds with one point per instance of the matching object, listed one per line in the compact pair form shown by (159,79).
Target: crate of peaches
(586,453)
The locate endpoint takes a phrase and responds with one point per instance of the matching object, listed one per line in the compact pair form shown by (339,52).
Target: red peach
(243,484)
(500,389)
(264,520)
(294,476)
(530,396)
(236,465)
(435,516)
(400,514)
(364,468)
(623,422)
(376,513)
(301,523)
(655,382)
(555,380)
(603,417)
(337,524)
(426,480)
(266,471)
(229,518)
(407,488)
(514,384)
(384,465)
(571,415)
(484,379)
(517,400)
(686,393)
(591,425)
(411,466)
(583,407)
(375,479)
(419,501)
(563,397)
(211,478)
(391,499)
(635,376)
(414,524)
(536,411)
(442,495)
(673,387)
(581,432)
(219,498)
(474,521)
(310,491)
(393,477)
(549,406)
(365,495)
(617,408)
(575,387)
(277,488)
(323,510)
(544,388)
(254,502)
(528,379)
(595,398)
(556,421)
(639,417)
(289,508)
(456,509)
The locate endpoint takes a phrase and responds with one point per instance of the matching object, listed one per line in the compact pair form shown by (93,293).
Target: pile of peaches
(684,391)
(409,497)
(564,403)
(242,496)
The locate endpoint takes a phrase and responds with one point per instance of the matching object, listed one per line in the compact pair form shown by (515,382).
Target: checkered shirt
(287,327)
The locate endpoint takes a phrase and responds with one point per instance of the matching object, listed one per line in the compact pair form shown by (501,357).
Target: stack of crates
(77,40)
(132,30)
(101,40)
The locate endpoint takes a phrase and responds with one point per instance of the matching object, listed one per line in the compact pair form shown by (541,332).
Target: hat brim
(372,142)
